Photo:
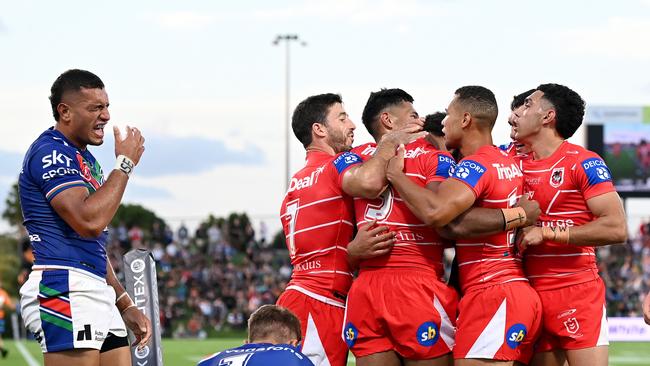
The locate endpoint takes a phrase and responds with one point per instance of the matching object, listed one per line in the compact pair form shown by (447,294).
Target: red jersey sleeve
(592,175)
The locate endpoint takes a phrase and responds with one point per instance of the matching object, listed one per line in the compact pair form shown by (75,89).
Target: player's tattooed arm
(371,241)
(368,180)
(479,221)
(608,227)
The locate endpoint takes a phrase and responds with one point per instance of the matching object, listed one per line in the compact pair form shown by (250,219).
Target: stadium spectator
(273,337)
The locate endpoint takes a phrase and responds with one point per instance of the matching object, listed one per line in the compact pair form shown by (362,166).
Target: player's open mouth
(99,129)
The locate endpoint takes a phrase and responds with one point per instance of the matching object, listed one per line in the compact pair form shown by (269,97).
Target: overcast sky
(206,86)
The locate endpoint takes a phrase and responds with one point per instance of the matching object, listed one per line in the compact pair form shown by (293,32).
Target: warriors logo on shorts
(350,334)
(515,335)
(428,334)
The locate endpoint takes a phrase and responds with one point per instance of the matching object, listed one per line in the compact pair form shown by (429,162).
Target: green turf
(189,352)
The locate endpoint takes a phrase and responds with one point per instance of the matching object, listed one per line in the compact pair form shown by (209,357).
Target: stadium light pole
(287,39)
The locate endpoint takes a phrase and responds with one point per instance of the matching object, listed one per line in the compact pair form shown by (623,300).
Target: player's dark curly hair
(273,322)
(433,123)
(377,102)
(312,110)
(480,101)
(519,99)
(72,81)
(569,107)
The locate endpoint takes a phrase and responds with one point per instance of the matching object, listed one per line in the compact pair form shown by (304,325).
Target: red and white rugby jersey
(497,182)
(562,183)
(318,222)
(416,246)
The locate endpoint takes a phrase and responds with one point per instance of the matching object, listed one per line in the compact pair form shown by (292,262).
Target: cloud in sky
(619,37)
(188,20)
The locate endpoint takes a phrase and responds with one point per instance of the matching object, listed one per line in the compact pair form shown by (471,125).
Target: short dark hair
(569,107)
(72,80)
(377,102)
(311,110)
(274,322)
(433,123)
(519,99)
(480,101)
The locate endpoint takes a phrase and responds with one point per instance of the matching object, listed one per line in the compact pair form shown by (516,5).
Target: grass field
(189,352)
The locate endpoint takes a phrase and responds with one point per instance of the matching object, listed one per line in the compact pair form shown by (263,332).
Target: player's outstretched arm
(370,241)
(134,319)
(608,227)
(368,180)
(87,214)
(479,221)
(435,208)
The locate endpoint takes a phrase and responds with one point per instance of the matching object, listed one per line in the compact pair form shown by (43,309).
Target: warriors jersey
(318,225)
(258,354)
(51,165)
(562,183)
(497,182)
(416,245)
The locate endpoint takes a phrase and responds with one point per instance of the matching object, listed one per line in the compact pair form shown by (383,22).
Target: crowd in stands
(626,272)
(211,280)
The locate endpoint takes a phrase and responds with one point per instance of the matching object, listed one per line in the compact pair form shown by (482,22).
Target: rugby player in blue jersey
(273,337)
(72,301)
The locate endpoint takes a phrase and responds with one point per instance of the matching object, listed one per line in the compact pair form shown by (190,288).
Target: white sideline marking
(26,355)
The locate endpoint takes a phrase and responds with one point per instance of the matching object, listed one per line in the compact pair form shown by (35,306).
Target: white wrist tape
(124,164)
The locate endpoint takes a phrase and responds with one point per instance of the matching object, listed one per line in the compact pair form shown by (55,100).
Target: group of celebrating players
(524,220)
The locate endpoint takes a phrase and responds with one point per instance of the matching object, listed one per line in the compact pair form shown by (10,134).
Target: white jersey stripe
(544,170)
(483,244)
(320,226)
(322,251)
(489,260)
(415,175)
(407,244)
(559,274)
(331,271)
(562,255)
(315,203)
(392,223)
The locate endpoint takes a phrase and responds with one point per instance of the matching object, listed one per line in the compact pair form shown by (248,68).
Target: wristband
(558,234)
(124,164)
(127,308)
(513,218)
(121,296)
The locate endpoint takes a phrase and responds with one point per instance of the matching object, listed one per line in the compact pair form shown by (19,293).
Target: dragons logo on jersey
(350,333)
(428,334)
(515,335)
(557,177)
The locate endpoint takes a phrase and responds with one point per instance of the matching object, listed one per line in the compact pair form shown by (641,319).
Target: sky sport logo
(515,335)
(351,333)
(428,334)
